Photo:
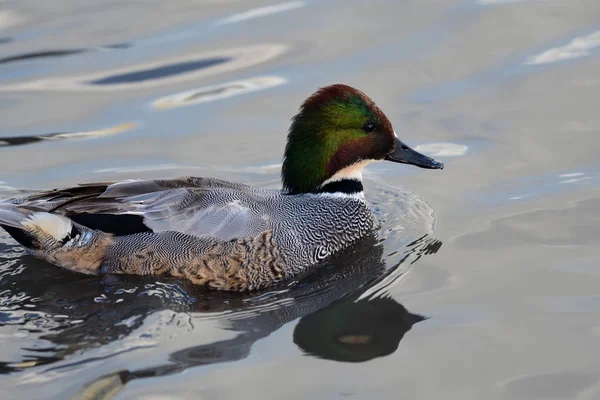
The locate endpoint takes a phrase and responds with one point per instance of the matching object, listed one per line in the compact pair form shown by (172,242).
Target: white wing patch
(54,225)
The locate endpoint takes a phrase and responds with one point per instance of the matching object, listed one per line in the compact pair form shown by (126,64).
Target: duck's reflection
(346,330)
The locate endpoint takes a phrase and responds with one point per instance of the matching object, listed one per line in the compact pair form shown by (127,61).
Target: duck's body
(223,235)
(220,234)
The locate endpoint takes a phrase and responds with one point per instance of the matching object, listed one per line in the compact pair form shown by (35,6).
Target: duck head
(336,133)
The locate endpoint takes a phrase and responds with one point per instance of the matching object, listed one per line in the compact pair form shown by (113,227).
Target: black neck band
(348,186)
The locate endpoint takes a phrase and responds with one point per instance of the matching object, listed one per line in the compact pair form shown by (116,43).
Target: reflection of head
(355,331)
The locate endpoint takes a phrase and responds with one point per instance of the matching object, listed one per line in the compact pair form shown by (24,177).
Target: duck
(218,234)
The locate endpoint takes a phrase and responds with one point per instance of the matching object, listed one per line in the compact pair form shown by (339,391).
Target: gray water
(484,280)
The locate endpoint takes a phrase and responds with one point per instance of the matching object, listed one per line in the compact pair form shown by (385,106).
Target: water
(484,280)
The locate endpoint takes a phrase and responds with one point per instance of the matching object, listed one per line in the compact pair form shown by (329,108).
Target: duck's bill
(406,155)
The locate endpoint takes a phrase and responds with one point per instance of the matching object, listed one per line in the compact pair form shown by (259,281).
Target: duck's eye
(369,127)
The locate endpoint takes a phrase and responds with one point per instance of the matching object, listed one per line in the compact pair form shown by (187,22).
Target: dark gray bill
(406,155)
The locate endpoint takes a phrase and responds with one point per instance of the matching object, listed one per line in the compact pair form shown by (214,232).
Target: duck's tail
(55,238)
(35,230)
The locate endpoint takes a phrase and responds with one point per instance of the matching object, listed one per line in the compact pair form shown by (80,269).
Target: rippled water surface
(483,281)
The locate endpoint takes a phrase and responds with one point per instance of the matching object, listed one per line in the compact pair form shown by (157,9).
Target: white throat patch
(353,171)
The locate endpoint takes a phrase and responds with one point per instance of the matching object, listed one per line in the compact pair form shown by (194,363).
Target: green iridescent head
(336,128)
